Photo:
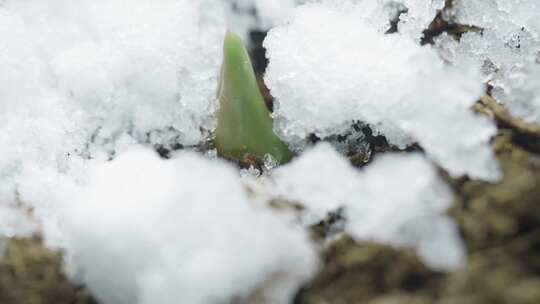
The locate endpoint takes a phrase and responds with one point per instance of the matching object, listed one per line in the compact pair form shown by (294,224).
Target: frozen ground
(90,89)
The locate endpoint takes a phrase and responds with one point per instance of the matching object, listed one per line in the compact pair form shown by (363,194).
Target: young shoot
(244,125)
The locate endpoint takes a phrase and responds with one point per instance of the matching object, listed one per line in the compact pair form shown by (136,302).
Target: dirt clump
(361,272)
(33,274)
(500,226)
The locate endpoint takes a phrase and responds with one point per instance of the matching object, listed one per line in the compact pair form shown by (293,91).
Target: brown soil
(32,274)
(500,224)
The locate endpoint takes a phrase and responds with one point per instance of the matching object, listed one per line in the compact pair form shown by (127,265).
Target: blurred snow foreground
(405,207)
(180,230)
(86,84)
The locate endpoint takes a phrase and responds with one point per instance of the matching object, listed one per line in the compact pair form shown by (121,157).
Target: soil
(500,224)
(32,274)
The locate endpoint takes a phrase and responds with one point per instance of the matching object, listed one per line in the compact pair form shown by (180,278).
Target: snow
(148,230)
(324,78)
(92,78)
(410,16)
(418,16)
(398,199)
(90,73)
(505,48)
(32,120)
(85,85)
(247,15)
(524,94)
(311,179)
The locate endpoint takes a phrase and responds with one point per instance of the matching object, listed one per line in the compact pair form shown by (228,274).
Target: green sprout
(244,125)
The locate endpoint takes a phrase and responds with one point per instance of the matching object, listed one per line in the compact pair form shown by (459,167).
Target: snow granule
(524,94)
(505,47)
(111,67)
(85,82)
(33,122)
(417,15)
(92,77)
(325,78)
(411,17)
(398,199)
(147,230)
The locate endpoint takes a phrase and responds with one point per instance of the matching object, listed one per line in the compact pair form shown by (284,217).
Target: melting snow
(147,230)
(506,48)
(77,78)
(398,199)
(85,82)
(93,77)
(324,81)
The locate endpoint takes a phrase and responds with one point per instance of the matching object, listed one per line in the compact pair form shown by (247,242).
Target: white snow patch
(505,48)
(418,16)
(247,15)
(398,199)
(411,16)
(33,122)
(524,94)
(146,230)
(311,179)
(93,77)
(326,77)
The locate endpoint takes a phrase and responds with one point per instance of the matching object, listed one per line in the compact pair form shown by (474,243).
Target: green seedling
(244,125)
